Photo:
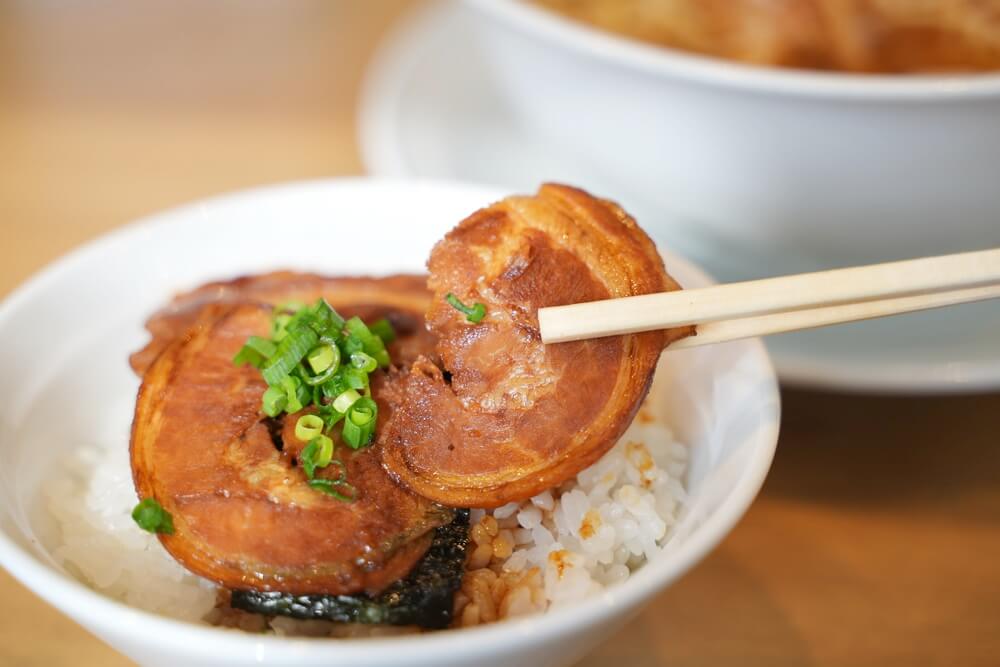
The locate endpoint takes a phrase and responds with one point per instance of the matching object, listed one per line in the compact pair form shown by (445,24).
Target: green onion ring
(308,427)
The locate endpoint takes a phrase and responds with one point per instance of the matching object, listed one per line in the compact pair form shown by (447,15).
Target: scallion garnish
(256,351)
(364,411)
(289,353)
(274,401)
(383,329)
(329,318)
(325,454)
(151,517)
(343,402)
(371,344)
(330,416)
(307,458)
(279,326)
(355,378)
(359,426)
(315,357)
(339,490)
(317,380)
(363,362)
(317,454)
(474,313)
(324,357)
(308,427)
(291,386)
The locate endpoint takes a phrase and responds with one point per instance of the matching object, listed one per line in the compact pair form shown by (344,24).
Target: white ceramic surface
(64,379)
(843,168)
(432,108)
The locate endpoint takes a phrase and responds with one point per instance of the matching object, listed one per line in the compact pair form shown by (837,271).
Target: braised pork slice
(243,513)
(499,416)
(401,298)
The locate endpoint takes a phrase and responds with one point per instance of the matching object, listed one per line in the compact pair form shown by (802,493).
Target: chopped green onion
(262,345)
(255,352)
(357,436)
(357,327)
(383,329)
(353,434)
(307,457)
(325,454)
(324,360)
(289,353)
(335,489)
(363,411)
(474,313)
(316,358)
(343,402)
(274,401)
(319,454)
(359,427)
(308,318)
(364,362)
(323,357)
(151,517)
(372,345)
(353,344)
(477,314)
(303,393)
(291,387)
(330,416)
(248,355)
(301,314)
(279,327)
(316,380)
(336,385)
(355,378)
(308,427)
(329,318)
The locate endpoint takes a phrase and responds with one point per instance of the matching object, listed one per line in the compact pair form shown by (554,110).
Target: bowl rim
(108,617)
(658,60)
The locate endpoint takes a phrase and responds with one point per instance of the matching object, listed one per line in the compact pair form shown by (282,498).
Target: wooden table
(876,538)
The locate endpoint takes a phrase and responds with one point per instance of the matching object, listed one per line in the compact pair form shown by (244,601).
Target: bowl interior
(66,383)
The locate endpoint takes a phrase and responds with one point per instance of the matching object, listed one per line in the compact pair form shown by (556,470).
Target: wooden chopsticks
(789,303)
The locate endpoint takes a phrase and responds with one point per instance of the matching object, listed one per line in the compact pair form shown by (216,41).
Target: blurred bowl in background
(833,169)
(432,106)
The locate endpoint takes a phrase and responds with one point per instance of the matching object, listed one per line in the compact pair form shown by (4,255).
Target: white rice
(92,502)
(595,530)
(592,532)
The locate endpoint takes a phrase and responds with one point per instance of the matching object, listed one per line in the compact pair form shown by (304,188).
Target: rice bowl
(722,405)
(561,547)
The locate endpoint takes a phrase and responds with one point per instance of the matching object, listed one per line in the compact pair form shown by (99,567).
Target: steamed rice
(558,548)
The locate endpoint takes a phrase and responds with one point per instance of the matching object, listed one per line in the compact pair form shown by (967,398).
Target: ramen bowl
(826,168)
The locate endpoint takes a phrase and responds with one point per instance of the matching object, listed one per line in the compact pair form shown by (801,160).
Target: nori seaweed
(424,597)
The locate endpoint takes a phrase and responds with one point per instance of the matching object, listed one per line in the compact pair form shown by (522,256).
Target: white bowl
(66,334)
(832,169)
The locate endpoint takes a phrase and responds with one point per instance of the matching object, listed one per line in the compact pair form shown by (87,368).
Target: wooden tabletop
(876,538)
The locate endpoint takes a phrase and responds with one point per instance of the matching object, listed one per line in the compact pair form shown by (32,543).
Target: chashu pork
(498,416)
(243,513)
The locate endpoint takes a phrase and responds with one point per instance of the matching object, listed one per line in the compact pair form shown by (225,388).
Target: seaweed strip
(425,597)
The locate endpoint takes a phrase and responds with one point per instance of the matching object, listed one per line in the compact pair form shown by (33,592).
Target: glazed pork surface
(243,512)
(501,417)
